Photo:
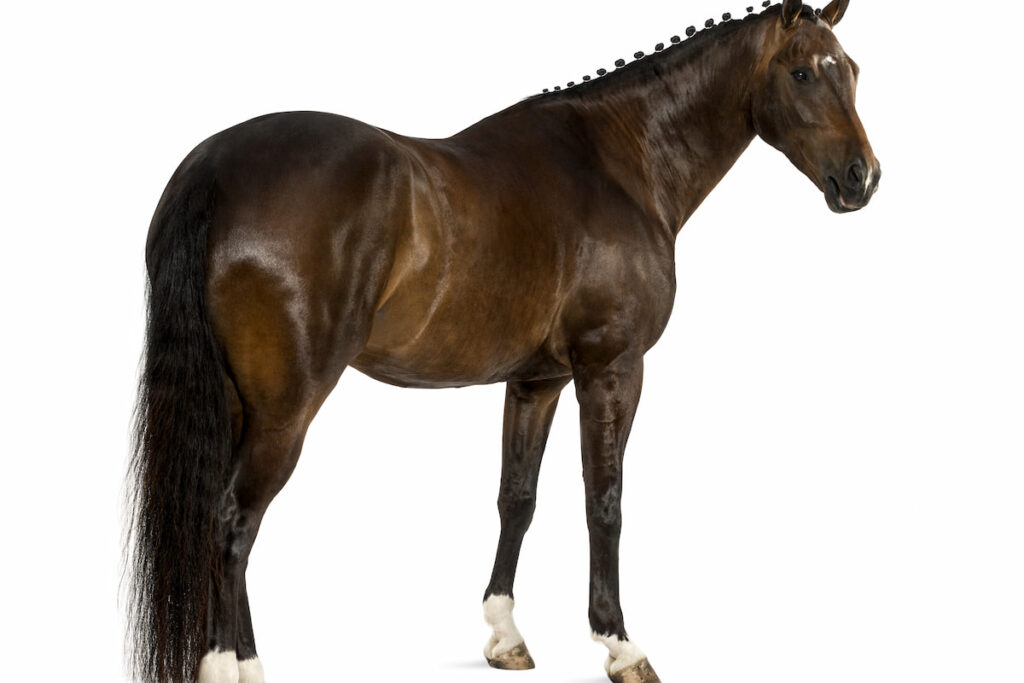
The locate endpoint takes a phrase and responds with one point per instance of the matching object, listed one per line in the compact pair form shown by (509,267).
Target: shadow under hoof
(641,672)
(516,659)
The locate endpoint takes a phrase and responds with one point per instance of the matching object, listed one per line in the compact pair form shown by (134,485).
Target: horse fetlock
(505,649)
(219,666)
(250,671)
(623,654)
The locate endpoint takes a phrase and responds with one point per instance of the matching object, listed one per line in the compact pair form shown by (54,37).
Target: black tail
(182,447)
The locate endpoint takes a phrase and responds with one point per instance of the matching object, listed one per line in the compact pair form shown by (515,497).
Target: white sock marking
(250,671)
(622,654)
(498,614)
(218,666)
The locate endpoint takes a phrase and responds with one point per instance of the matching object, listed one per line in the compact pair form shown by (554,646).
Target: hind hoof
(641,672)
(516,659)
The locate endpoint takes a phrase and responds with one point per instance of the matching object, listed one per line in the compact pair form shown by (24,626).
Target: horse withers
(534,248)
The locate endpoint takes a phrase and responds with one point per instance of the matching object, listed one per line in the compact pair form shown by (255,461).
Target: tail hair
(181,450)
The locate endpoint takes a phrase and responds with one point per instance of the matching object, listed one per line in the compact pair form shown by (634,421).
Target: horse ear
(835,11)
(791,11)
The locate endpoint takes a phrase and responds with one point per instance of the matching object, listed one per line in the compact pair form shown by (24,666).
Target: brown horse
(533,248)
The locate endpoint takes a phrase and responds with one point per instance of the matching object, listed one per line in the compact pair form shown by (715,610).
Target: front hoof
(516,659)
(641,672)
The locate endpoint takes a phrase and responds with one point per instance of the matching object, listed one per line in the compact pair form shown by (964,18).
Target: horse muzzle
(852,189)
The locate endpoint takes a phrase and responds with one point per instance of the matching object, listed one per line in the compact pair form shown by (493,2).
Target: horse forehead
(830,67)
(815,42)
(825,60)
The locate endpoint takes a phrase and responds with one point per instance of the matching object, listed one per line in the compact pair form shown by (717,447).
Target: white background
(825,477)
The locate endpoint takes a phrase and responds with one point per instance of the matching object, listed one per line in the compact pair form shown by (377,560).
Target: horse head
(803,100)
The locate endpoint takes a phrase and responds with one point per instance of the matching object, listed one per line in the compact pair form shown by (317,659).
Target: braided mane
(693,38)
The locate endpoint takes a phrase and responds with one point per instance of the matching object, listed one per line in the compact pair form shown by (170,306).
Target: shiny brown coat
(533,248)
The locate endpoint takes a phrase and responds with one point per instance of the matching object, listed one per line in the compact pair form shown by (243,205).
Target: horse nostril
(856,173)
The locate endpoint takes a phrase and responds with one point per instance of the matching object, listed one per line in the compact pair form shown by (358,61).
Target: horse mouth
(834,197)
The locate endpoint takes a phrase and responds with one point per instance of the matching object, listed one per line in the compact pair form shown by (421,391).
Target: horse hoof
(516,659)
(641,672)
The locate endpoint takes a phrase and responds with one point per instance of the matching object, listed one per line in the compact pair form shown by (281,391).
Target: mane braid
(694,39)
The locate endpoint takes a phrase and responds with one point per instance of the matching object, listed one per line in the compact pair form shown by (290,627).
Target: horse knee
(517,506)
(605,518)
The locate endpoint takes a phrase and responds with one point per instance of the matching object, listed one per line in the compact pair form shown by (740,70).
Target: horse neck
(670,130)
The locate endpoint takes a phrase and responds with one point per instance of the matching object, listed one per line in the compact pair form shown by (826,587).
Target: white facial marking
(498,614)
(250,671)
(218,666)
(823,60)
(622,654)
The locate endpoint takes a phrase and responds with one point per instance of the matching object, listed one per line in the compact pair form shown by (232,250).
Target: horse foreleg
(529,409)
(608,393)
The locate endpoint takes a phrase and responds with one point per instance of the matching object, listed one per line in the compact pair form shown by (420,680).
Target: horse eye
(801,74)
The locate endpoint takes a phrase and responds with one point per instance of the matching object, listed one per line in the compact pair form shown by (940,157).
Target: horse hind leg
(250,668)
(264,460)
(529,410)
(281,379)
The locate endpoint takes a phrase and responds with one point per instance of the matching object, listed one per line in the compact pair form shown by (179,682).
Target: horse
(533,248)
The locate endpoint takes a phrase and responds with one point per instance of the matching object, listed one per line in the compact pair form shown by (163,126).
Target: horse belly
(474,333)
